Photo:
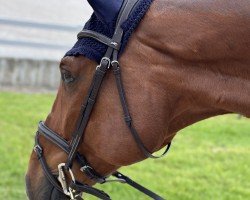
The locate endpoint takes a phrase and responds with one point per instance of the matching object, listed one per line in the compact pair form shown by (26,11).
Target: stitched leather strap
(63,144)
(87,109)
(99,37)
(111,54)
(90,190)
(137,186)
(96,83)
(127,116)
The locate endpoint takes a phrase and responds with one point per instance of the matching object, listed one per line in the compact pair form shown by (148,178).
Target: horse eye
(67,77)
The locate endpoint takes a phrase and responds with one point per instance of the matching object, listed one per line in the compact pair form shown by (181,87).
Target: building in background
(34,37)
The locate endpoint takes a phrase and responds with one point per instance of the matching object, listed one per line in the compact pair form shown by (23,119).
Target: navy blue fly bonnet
(103,21)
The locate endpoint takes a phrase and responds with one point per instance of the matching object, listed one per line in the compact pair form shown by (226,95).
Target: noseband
(109,61)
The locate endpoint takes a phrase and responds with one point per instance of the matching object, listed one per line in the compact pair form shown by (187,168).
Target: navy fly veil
(103,21)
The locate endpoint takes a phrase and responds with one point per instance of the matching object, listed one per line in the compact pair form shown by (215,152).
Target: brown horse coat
(187,61)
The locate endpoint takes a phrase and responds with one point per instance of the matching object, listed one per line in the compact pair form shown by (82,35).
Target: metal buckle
(38,149)
(115,61)
(104,58)
(85,167)
(62,179)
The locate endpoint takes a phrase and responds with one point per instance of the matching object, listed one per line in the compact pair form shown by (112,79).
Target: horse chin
(57,195)
(44,191)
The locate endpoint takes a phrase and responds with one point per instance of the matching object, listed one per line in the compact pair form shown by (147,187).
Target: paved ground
(49,43)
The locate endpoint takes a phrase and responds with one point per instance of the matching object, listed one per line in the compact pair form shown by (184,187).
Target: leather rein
(110,61)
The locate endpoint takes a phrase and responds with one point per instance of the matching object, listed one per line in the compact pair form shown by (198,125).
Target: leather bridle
(109,61)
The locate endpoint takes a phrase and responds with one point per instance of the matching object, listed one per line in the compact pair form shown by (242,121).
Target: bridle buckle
(37,149)
(85,167)
(103,60)
(62,179)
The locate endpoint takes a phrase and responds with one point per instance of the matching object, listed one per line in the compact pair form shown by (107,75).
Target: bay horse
(185,62)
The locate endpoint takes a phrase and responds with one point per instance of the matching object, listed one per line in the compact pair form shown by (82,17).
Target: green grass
(209,160)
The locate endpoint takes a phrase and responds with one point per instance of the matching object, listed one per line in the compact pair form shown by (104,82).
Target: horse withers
(186,61)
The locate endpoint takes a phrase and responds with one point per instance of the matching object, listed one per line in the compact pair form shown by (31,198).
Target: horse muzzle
(43,190)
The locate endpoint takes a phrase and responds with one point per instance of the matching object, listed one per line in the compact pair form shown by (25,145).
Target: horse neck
(191,75)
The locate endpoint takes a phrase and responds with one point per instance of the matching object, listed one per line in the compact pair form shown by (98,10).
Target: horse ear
(106,10)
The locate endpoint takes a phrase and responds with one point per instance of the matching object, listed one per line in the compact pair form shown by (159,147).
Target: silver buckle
(115,61)
(85,167)
(62,179)
(37,147)
(104,58)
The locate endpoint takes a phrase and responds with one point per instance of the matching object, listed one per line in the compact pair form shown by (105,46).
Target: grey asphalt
(50,30)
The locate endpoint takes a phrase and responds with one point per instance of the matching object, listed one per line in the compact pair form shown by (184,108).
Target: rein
(109,61)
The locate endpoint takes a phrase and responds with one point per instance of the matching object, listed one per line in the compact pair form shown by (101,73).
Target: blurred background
(209,160)
(34,37)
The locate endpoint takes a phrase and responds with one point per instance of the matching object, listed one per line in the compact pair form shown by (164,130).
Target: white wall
(63,12)
(30,67)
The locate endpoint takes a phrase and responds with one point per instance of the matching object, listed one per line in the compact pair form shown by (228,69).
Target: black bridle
(109,61)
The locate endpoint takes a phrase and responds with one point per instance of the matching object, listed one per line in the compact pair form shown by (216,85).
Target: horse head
(173,74)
